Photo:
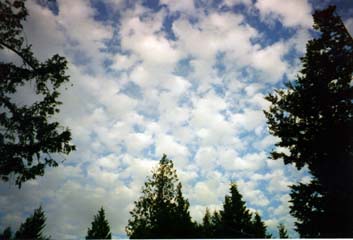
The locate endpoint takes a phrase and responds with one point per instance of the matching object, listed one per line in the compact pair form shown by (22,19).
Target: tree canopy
(100,228)
(27,135)
(161,211)
(313,117)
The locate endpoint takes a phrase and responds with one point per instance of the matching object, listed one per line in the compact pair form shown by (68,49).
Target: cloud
(291,14)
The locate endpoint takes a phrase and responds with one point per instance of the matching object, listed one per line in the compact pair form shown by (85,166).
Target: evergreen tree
(207,228)
(100,228)
(235,217)
(313,118)
(258,228)
(282,231)
(33,227)
(6,234)
(161,211)
(28,135)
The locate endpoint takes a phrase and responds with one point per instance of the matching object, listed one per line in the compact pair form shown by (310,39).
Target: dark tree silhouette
(27,136)
(161,211)
(100,228)
(313,118)
(259,227)
(33,227)
(235,217)
(282,231)
(6,234)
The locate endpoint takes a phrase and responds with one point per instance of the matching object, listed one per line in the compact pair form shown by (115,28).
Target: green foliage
(100,228)
(258,227)
(161,211)
(33,227)
(27,137)
(282,231)
(313,118)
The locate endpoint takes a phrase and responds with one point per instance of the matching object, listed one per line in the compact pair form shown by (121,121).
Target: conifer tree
(258,228)
(207,228)
(282,231)
(100,228)
(235,217)
(6,234)
(313,118)
(33,227)
(161,211)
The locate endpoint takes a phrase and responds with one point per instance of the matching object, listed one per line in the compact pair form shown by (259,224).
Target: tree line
(312,116)
(163,212)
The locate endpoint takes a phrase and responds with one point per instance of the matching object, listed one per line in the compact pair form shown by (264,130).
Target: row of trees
(163,212)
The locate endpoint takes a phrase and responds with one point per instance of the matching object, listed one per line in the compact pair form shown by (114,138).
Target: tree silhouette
(258,228)
(6,234)
(161,211)
(282,231)
(33,227)
(313,118)
(100,228)
(27,136)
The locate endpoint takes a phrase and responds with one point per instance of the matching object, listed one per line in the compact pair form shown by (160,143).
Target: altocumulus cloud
(185,78)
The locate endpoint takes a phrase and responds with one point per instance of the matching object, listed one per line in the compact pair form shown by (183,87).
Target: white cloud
(290,13)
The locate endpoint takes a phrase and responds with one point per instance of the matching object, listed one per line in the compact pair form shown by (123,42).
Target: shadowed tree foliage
(313,118)
(27,137)
(233,221)
(33,227)
(282,231)
(161,211)
(100,228)
(258,227)
(6,234)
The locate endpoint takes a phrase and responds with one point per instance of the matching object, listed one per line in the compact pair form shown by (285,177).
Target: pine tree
(258,228)
(313,118)
(100,228)
(161,211)
(207,228)
(282,231)
(235,217)
(33,227)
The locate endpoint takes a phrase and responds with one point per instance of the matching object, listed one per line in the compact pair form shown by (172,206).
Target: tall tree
(313,118)
(282,231)
(161,211)
(100,228)
(33,227)
(235,217)
(27,135)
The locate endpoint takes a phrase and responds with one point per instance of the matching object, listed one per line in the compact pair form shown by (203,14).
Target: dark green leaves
(28,137)
(100,228)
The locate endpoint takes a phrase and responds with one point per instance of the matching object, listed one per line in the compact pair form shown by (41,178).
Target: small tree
(27,136)
(33,227)
(161,211)
(282,231)
(313,117)
(6,234)
(100,228)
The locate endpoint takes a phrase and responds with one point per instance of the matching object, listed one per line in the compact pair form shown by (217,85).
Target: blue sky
(185,78)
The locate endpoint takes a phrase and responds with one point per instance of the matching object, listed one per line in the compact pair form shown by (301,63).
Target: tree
(161,211)
(258,227)
(27,136)
(313,118)
(207,228)
(100,228)
(6,234)
(235,217)
(282,231)
(33,227)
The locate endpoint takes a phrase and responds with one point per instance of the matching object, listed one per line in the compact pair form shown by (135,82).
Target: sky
(185,78)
